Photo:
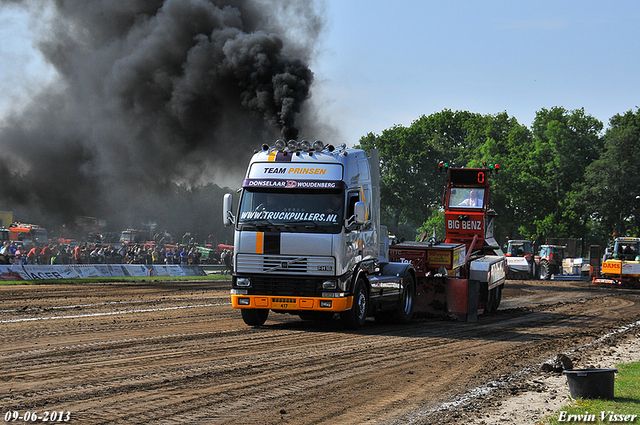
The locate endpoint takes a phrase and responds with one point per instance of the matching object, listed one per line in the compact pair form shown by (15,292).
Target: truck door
(361,240)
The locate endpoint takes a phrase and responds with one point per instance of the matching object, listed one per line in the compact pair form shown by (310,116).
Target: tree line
(565,177)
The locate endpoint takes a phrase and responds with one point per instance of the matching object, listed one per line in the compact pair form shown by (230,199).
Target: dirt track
(158,352)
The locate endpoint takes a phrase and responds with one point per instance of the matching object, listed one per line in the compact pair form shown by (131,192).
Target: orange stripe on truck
(260,243)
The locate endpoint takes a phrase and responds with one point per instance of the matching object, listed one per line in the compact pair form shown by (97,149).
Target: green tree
(412,190)
(406,164)
(507,144)
(612,182)
(565,144)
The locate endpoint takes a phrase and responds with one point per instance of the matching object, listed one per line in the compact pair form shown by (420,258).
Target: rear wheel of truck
(254,317)
(403,312)
(355,318)
(545,271)
(405,307)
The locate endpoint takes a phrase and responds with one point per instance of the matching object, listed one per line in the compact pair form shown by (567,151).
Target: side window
(352,198)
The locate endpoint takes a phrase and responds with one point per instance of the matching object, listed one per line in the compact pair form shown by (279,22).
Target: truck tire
(254,316)
(403,312)
(405,305)
(355,318)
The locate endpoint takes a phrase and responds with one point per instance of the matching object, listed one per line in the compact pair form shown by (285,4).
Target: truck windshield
(292,211)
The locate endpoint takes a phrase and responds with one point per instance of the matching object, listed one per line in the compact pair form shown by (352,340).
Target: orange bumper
(292,303)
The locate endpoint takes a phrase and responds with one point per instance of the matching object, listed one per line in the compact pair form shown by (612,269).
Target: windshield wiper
(309,224)
(257,224)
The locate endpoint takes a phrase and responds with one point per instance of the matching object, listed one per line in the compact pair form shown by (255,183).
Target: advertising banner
(48,272)
(7,273)
(72,271)
(87,271)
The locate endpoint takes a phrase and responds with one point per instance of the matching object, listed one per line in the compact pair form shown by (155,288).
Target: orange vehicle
(27,233)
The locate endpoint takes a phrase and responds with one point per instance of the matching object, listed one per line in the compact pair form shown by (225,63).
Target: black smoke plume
(154,92)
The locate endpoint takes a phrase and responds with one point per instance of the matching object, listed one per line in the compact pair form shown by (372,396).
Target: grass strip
(623,409)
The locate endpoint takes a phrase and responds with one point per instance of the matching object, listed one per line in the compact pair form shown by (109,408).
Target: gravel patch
(537,394)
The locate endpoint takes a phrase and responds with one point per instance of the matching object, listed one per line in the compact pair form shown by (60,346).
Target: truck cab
(28,234)
(308,239)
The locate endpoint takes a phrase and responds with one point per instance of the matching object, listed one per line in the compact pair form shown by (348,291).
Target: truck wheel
(405,306)
(495,295)
(254,317)
(545,271)
(355,318)
(498,296)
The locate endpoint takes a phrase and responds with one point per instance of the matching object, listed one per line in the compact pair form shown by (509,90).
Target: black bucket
(591,383)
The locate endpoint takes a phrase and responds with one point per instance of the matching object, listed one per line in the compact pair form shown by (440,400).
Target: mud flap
(472,303)
(462,299)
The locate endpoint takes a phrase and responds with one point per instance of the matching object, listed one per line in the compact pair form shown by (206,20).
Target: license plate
(283,306)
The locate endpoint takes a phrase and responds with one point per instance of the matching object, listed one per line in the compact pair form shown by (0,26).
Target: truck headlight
(330,284)
(318,146)
(305,145)
(244,282)
(280,145)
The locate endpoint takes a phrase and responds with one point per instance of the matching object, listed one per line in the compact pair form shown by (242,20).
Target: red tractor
(549,260)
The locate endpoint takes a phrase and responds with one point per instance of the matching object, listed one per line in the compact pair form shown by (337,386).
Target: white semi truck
(308,241)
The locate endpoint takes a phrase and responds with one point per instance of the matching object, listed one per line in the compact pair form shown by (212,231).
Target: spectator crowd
(86,253)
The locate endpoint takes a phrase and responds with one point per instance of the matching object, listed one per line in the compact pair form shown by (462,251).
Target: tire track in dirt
(204,364)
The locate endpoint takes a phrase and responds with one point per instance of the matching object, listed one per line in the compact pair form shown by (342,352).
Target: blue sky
(383,63)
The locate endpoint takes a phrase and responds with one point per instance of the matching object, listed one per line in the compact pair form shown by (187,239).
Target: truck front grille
(279,264)
(285,286)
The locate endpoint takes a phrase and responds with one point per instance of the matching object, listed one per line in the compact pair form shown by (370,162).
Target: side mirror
(227,216)
(360,211)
